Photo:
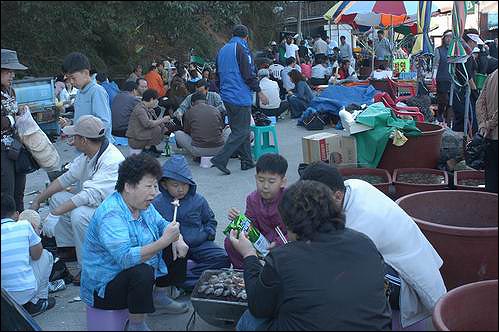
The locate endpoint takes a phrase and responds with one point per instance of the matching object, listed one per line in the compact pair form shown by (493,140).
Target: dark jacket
(121,108)
(334,283)
(204,123)
(303,92)
(197,220)
(142,129)
(236,73)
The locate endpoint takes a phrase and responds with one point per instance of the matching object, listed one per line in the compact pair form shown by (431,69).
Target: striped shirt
(17,274)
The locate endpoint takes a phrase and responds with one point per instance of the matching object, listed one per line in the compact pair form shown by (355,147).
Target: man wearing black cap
(13,181)
(236,76)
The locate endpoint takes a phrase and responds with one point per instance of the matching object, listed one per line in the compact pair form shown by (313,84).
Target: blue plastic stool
(106,320)
(120,140)
(262,140)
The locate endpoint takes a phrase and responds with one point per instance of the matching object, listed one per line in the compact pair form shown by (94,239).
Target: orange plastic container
(384,187)
(462,227)
(420,151)
(472,307)
(468,175)
(403,188)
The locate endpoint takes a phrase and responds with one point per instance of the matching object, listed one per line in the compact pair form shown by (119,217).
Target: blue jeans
(248,322)
(296,106)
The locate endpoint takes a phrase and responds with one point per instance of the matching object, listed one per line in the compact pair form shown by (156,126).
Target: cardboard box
(332,148)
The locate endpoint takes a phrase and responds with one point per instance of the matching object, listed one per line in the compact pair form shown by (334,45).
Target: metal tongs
(281,235)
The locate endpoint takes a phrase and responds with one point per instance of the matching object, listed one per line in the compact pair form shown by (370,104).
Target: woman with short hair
(145,129)
(327,277)
(131,253)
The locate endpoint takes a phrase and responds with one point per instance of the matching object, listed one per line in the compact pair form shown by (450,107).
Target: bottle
(167,152)
(242,223)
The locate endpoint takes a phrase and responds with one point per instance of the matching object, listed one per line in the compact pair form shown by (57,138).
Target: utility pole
(299,21)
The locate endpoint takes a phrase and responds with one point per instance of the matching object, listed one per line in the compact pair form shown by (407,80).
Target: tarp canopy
(422,44)
(373,13)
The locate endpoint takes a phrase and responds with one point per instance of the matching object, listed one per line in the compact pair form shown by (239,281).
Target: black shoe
(41,306)
(221,168)
(247,165)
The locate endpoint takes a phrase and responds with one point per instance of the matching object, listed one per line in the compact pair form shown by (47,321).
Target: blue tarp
(334,97)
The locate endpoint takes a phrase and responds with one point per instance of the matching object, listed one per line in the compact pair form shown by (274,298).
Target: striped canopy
(457,52)
(372,13)
(422,45)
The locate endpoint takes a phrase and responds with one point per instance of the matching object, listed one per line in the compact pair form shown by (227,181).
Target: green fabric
(371,144)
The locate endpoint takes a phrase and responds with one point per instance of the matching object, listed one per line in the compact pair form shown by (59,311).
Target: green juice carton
(242,223)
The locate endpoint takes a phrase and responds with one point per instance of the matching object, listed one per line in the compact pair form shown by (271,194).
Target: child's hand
(233,213)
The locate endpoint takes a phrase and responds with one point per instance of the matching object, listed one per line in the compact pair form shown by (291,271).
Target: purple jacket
(265,216)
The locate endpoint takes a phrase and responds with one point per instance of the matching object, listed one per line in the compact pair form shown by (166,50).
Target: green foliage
(116,35)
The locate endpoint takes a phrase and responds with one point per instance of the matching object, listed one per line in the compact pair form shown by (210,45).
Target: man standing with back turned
(237,78)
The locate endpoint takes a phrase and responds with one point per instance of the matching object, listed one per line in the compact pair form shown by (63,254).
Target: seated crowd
(133,242)
(339,255)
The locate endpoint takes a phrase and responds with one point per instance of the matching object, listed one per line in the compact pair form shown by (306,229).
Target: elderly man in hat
(95,172)
(13,181)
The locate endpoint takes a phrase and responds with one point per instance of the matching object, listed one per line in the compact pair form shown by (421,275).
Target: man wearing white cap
(95,172)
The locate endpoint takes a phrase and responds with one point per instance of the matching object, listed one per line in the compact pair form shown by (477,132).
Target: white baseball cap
(476,38)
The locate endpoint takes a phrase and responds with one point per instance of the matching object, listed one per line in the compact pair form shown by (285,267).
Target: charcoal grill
(216,310)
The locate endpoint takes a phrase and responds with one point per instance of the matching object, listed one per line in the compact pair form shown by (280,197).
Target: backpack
(314,122)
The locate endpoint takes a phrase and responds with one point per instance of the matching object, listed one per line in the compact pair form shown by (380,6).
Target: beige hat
(87,126)
(10,61)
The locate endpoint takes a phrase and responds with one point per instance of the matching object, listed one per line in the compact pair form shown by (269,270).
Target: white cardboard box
(332,148)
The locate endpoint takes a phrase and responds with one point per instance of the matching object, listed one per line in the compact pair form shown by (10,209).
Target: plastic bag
(43,151)
(25,123)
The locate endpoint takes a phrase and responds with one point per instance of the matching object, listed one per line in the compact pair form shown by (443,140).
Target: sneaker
(56,285)
(139,327)
(173,307)
(41,306)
